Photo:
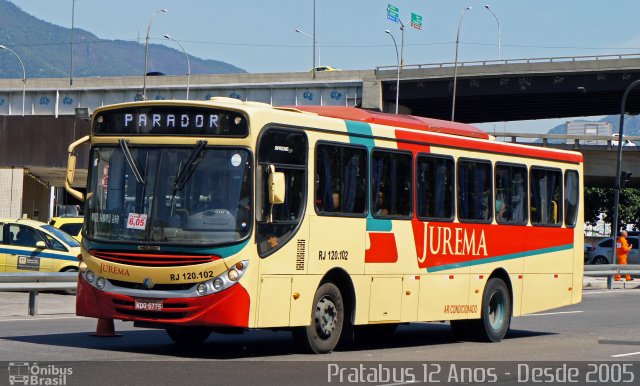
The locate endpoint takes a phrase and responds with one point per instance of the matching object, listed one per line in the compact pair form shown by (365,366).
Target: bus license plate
(148,304)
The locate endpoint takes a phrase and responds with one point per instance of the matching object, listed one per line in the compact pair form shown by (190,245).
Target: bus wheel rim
(496,310)
(326,317)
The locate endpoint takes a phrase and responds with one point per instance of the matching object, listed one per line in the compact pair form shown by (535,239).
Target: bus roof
(404,121)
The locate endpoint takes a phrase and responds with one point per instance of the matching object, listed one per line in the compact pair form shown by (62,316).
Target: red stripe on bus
(455,243)
(383,248)
(488,146)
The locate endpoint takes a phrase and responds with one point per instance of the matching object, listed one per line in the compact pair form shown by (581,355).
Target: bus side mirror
(276,187)
(71,169)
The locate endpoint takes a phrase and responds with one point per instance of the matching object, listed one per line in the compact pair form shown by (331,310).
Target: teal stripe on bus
(49,255)
(500,258)
(360,133)
(218,251)
(378,225)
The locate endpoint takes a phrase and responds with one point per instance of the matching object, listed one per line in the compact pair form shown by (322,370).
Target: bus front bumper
(228,308)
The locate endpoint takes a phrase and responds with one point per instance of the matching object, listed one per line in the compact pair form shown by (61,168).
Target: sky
(259,36)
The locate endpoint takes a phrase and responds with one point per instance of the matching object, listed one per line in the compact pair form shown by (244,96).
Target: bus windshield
(179,195)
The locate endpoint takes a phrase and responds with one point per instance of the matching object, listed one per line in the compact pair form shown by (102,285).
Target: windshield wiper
(190,166)
(133,163)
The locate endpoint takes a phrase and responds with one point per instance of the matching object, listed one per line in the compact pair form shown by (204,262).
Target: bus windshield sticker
(137,221)
(236,159)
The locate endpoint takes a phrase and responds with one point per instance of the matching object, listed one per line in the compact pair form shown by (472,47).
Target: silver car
(601,253)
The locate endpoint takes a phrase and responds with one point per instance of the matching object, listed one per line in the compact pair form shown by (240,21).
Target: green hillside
(45,50)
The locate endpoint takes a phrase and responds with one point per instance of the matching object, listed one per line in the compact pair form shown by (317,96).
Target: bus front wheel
(188,336)
(323,334)
(496,311)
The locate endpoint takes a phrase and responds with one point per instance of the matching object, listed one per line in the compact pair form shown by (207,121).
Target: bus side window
(546,194)
(510,197)
(475,198)
(435,187)
(340,185)
(391,184)
(571,197)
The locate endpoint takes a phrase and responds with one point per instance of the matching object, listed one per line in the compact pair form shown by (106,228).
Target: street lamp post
(497,21)
(24,74)
(188,62)
(616,195)
(316,46)
(146,54)
(455,65)
(73,11)
(398,74)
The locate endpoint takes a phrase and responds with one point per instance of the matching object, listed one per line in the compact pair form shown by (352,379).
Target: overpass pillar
(372,95)
(11,189)
(22,193)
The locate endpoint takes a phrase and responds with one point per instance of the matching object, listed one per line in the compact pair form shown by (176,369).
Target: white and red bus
(222,214)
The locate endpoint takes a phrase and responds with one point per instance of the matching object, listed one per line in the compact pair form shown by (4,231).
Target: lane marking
(555,313)
(40,318)
(613,291)
(625,355)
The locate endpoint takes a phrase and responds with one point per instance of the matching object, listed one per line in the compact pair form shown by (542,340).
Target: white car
(626,142)
(601,253)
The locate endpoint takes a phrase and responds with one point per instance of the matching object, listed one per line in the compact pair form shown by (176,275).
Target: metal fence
(35,282)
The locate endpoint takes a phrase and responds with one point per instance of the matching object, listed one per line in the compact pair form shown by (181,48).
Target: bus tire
(328,313)
(495,313)
(188,336)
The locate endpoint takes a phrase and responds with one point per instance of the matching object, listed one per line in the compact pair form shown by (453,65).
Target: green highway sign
(416,21)
(393,13)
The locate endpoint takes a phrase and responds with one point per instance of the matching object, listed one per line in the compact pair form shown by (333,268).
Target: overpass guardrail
(607,142)
(512,61)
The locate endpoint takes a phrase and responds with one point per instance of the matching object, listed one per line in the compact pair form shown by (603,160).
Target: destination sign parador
(171,120)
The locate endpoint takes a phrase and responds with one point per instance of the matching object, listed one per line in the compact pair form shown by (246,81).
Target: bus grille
(153,260)
(156,287)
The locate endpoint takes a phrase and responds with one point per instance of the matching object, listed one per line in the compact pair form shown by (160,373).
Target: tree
(600,200)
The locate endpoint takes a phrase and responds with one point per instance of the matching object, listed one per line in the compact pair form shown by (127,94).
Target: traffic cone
(105,329)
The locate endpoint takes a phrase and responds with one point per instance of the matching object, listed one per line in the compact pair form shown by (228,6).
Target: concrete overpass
(487,91)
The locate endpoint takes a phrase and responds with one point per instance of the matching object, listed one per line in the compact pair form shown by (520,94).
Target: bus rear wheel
(324,333)
(496,311)
(189,336)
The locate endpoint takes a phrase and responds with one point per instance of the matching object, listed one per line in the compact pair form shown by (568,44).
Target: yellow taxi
(324,68)
(29,245)
(70,225)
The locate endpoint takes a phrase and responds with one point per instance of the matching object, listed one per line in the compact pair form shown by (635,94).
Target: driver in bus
(211,195)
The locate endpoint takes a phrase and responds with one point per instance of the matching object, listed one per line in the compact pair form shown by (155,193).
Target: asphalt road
(602,329)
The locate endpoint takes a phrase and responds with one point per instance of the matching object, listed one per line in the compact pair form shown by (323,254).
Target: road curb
(601,283)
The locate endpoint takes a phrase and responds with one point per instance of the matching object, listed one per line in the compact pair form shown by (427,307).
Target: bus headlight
(101,282)
(229,278)
(90,276)
(232,274)
(218,283)
(202,288)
